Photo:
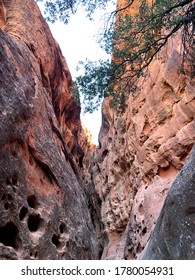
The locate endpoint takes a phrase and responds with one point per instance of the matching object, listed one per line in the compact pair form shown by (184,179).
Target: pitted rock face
(44,210)
(173,237)
(142,152)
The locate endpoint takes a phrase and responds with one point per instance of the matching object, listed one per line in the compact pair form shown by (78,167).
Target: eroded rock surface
(173,237)
(141,153)
(44,209)
(50,172)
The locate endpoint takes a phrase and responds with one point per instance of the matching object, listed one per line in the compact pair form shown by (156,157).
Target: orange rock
(142,152)
(46,211)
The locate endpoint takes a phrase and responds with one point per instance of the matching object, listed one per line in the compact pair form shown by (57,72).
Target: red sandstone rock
(142,152)
(44,209)
(173,236)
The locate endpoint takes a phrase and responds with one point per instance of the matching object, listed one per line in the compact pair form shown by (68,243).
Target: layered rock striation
(45,212)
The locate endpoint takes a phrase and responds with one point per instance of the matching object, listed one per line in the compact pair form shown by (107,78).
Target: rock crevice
(63,198)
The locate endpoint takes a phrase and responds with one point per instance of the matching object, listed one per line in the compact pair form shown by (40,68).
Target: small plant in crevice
(75,93)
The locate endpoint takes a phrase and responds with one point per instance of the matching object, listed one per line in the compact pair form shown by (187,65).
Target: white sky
(78,41)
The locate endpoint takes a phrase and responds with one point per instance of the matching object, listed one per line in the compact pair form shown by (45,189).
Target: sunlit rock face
(44,205)
(141,153)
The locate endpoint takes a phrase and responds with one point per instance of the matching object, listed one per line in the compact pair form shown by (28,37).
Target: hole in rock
(33,254)
(172,203)
(144,230)
(32,201)
(105,153)
(34,222)
(141,209)
(9,235)
(6,206)
(63,228)
(106,179)
(55,240)
(23,213)
(81,161)
(123,141)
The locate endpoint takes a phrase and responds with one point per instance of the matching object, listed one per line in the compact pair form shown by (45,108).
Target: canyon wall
(173,236)
(141,153)
(53,180)
(46,211)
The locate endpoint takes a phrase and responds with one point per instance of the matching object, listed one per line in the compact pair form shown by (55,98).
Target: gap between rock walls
(63,198)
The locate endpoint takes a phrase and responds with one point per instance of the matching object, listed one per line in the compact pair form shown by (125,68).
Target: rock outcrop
(141,153)
(50,173)
(173,237)
(44,208)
